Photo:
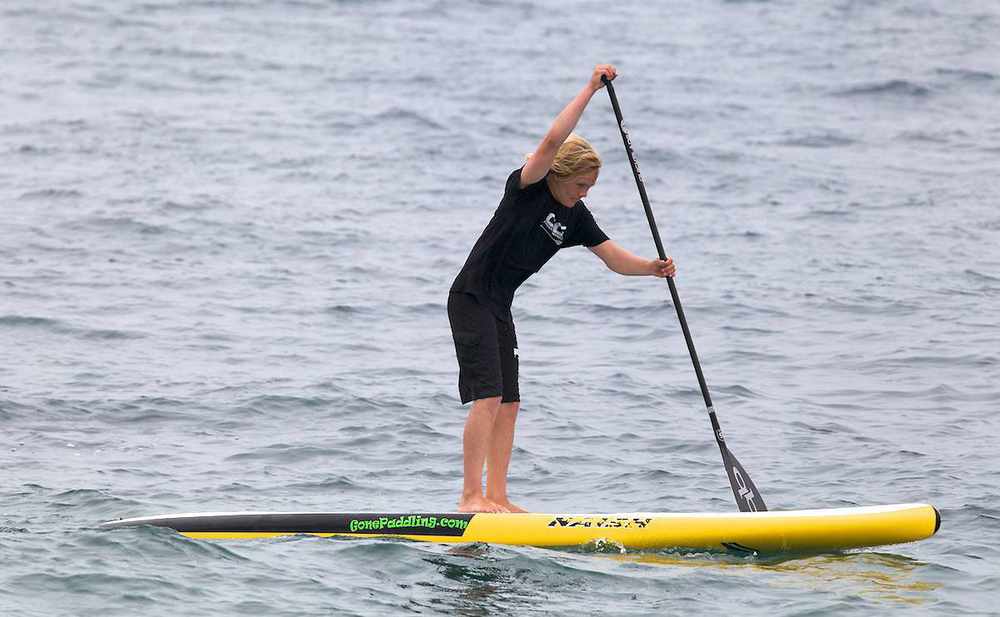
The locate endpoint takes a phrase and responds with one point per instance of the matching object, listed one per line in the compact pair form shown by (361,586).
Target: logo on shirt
(554,228)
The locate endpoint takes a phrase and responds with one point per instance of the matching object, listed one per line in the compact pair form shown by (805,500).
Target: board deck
(763,532)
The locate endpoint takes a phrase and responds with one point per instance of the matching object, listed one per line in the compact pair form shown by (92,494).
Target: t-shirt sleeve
(514,181)
(588,233)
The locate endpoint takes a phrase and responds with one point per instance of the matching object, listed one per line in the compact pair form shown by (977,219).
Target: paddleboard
(747,532)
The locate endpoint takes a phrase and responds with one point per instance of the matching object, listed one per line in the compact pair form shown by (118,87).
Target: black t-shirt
(527,229)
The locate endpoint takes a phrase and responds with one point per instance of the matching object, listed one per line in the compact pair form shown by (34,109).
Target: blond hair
(576,156)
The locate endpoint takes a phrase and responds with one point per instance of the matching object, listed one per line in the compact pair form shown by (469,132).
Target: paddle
(748,498)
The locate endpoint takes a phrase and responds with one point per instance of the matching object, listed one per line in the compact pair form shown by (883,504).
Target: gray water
(228,229)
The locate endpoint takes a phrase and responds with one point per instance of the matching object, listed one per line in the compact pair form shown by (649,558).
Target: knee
(489,406)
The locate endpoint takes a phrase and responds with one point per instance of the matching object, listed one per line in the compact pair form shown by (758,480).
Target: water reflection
(486,584)
(478,580)
(873,575)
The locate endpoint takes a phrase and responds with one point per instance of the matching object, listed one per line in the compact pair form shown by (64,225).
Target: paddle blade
(748,498)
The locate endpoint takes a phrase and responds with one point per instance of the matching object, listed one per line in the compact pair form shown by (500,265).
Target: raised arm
(619,260)
(541,160)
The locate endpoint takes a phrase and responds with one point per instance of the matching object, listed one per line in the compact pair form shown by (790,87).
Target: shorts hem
(478,396)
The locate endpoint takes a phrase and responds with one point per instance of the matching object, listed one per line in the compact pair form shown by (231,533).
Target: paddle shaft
(747,496)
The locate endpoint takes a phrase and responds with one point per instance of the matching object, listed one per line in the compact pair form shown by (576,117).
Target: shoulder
(588,232)
(513,185)
(582,211)
(514,178)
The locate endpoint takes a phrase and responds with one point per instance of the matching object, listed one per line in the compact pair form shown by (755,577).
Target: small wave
(931,136)
(741,392)
(604,545)
(170,205)
(712,235)
(121,223)
(398,114)
(32,150)
(296,163)
(425,308)
(48,194)
(979,276)
(872,305)
(270,403)
(26,321)
(967,74)
(747,329)
(110,335)
(8,409)
(818,140)
(826,429)
(348,309)
(5,529)
(175,52)
(285,453)
(718,155)
(59,327)
(892,87)
(84,498)
(941,361)
(338,483)
(745,356)
(147,416)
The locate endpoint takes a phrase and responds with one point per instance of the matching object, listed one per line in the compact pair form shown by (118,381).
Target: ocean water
(227,231)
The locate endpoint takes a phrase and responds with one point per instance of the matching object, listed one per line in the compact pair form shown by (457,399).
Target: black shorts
(486,349)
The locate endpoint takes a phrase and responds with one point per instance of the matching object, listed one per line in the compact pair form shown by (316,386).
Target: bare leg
(498,458)
(475,446)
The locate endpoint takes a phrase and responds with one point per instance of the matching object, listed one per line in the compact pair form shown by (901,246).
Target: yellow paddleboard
(761,532)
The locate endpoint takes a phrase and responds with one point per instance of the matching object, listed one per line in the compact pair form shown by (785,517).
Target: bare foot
(505,503)
(479,503)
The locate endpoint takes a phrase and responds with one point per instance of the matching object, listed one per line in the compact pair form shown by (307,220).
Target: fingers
(603,70)
(607,70)
(663,268)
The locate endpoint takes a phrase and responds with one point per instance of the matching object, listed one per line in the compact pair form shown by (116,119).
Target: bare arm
(539,163)
(619,260)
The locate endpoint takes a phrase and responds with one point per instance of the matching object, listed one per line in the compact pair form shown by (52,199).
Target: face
(574,188)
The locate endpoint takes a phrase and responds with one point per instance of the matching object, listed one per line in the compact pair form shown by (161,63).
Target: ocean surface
(227,232)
